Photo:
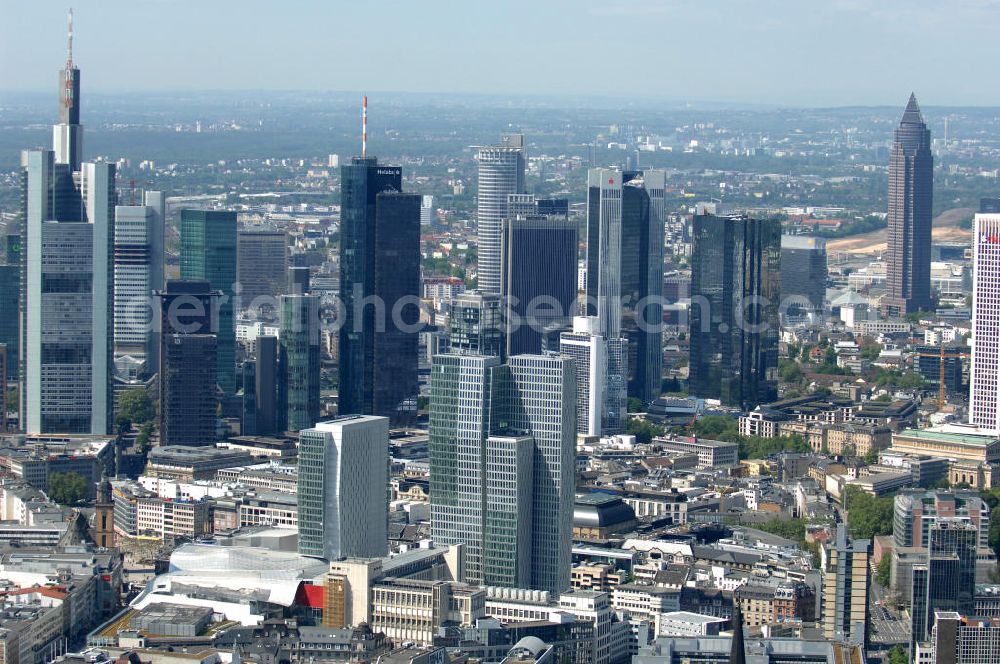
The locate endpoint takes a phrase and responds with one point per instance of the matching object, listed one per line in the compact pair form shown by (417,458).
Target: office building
(958,639)
(539,272)
(66,330)
(298,363)
(625,268)
(10,302)
(947,581)
(380,289)
(915,511)
(984,371)
(188,353)
(298,281)
(911,183)
(138,271)
(427,213)
(343,488)
(475,325)
(803,274)
(735,288)
(601,398)
(208,252)
(248,412)
(846,575)
(261,266)
(501,173)
(487,419)
(265,387)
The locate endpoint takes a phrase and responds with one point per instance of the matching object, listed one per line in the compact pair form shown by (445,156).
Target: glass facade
(299,362)
(735,291)
(803,273)
(208,252)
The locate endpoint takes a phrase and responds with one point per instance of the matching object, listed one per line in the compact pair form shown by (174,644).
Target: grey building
(735,291)
(501,173)
(344,487)
(487,419)
(261,267)
(911,184)
(625,268)
(803,274)
(10,302)
(475,325)
(947,581)
(298,362)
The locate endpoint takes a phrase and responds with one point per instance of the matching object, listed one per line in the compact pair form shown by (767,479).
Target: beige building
(600,576)
(846,575)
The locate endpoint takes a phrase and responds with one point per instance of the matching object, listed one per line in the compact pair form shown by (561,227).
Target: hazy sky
(795,52)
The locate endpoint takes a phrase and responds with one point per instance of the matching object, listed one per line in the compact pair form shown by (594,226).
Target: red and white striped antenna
(364,126)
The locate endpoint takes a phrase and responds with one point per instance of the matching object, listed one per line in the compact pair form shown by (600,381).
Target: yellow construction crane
(941,357)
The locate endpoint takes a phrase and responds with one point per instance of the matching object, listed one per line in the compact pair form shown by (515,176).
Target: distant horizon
(782,53)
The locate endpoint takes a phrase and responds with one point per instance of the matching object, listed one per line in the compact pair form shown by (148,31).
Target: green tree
(872,456)
(717,427)
(135,406)
(898,655)
(142,441)
(789,371)
(867,516)
(67,488)
(11,399)
(884,571)
(636,405)
(643,430)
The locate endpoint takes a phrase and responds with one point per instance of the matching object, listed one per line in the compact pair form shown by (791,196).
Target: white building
(984,399)
(138,271)
(501,173)
(343,488)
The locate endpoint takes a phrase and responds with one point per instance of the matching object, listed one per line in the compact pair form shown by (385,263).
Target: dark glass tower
(803,274)
(208,252)
(299,362)
(735,288)
(10,297)
(911,183)
(379,265)
(188,397)
(540,264)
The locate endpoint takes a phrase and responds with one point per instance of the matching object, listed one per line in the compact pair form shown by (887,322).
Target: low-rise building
(711,453)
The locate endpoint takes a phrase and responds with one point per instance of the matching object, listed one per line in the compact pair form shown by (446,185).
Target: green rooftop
(974,439)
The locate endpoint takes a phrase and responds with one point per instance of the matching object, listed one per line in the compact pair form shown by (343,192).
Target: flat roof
(973,439)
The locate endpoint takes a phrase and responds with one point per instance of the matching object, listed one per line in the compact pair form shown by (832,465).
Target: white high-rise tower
(984,373)
(501,173)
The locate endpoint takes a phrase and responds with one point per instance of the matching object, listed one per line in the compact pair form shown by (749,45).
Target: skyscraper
(66,329)
(803,274)
(625,268)
(948,577)
(486,420)
(984,371)
(10,302)
(911,183)
(343,488)
(601,399)
(501,173)
(208,252)
(298,362)
(475,325)
(261,266)
(138,271)
(540,270)
(735,291)
(380,287)
(266,386)
(845,588)
(188,353)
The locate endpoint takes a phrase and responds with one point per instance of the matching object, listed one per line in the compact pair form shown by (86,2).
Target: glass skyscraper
(735,292)
(208,252)
(625,268)
(911,184)
(299,362)
(501,173)
(380,287)
(803,274)
(489,423)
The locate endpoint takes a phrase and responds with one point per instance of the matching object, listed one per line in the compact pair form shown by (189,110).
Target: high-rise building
(845,588)
(380,289)
(188,353)
(501,173)
(475,325)
(427,212)
(625,268)
(984,372)
(261,266)
(208,252)
(958,639)
(487,419)
(138,271)
(601,399)
(911,183)
(299,362)
(539,273)
(948,577)
(3,387)
(266,386)
(915,511)
(66,330)
(343,488)
(735,291)
(10,302)
(803,274)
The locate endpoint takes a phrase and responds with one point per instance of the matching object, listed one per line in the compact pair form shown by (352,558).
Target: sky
(780,52)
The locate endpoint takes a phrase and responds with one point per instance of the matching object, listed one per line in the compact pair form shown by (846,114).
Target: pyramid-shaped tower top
(912,113)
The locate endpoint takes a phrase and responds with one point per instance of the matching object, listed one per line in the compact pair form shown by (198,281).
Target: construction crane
(941,357)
